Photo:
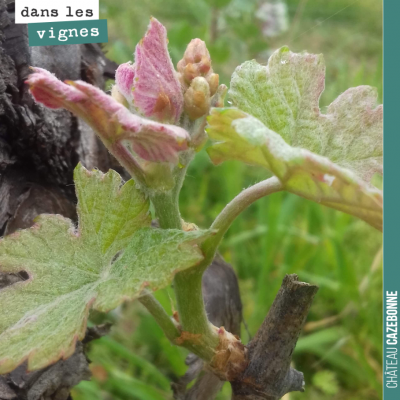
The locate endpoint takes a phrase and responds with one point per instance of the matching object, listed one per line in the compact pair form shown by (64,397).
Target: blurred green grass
(340,349)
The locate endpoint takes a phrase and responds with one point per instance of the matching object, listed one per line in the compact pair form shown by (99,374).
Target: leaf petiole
(231,211)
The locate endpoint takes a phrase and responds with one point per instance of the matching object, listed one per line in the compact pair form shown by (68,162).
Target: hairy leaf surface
(284,95)
(110,257)
(112,121)
(151,84)
(242,137)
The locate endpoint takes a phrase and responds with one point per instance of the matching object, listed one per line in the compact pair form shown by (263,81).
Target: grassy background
(340,349)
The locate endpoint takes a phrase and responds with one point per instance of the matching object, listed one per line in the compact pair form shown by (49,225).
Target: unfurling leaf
(110,257)
(284,95)
(112,121)
(242,137)
(151,84)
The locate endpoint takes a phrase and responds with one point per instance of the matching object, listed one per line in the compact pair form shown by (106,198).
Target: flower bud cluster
(197,78)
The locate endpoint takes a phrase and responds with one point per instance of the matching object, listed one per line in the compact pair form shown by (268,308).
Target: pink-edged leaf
(157,92)
(112,121)
(240,136)
(285,94)
(109,257)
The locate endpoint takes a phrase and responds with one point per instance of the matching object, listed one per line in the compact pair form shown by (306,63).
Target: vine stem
(195,332)
(160,315)
(231,211)
(167,210)
(198,334)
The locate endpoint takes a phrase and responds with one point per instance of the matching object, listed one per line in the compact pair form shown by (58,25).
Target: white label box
(31,11)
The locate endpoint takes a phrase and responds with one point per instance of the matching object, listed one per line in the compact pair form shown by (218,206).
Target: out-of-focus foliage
(235,30)
(340,348)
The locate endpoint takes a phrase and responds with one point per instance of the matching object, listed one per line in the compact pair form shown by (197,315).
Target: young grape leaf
(110,257)
(242,137)
(151,84)
(112,121)
(284,95)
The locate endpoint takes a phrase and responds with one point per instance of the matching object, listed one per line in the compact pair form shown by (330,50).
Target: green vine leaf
(242,137)
(284,95)
(111,257)
(280,109)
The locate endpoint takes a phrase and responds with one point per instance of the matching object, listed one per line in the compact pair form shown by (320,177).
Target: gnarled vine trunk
(39,148)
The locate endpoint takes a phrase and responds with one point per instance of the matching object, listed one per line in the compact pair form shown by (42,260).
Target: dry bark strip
(268,375)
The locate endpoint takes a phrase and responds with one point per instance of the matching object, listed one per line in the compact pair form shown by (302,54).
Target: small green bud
(213,81)
(197,98)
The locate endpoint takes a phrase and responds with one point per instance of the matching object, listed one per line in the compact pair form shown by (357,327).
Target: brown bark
(268,375)
(39,148)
